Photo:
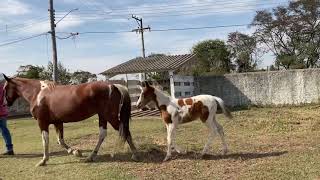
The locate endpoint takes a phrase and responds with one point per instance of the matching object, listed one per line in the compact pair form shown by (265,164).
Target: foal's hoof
(135,158)
(181,151)
(167,158)
(77,153)
(41,163)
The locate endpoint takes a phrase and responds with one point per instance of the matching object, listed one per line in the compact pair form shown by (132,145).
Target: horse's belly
(187,118)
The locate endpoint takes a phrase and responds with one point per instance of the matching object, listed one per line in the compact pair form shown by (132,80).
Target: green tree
(291,32)
(30,71)
(64,75)
(213,56)
(79,77)
(244,51)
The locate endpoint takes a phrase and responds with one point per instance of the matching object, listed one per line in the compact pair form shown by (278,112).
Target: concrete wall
(291,87)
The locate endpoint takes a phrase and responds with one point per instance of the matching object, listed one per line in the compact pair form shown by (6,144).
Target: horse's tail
(124,112)
(225,110)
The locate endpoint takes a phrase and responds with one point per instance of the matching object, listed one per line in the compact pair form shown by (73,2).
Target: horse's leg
(220,131)
(59,131)
(171,128)
(209,124)
(102,135)
(45,141)
(132,147)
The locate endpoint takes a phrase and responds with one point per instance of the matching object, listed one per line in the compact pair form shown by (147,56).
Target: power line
(168,29)
(168,6)
(22,39)
(163,14)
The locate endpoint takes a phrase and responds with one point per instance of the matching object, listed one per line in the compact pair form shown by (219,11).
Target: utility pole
(140,30)
(54,44)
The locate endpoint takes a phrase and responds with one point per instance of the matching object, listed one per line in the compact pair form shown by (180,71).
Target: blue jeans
(6,133)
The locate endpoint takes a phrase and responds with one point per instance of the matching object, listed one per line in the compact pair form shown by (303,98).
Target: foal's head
(10,89)
(147,95)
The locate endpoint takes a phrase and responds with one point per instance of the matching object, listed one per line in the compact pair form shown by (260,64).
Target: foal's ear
(139,87)
(6,78)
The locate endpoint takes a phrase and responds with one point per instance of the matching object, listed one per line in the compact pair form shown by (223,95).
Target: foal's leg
(209,124)
(59,131)
(171,128)
(220,131)
(45,143)
(174,144)
(102,135)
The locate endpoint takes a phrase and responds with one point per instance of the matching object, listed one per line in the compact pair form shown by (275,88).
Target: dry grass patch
(266,143)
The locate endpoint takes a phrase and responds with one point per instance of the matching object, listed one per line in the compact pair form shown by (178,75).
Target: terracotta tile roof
(150,64)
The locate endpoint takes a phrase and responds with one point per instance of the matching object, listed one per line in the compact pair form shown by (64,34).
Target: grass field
(266,143)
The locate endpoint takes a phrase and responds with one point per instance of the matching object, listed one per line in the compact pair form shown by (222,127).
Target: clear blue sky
(97,52)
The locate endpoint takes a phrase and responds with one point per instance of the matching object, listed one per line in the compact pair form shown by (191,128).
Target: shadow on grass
(35,155)
(245,156)
(156,155)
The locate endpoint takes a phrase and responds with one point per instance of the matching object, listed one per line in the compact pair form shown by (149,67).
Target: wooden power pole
(54,44)
(141,29)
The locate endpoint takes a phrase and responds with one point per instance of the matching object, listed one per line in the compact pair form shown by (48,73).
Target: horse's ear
(147,84)
(6,78)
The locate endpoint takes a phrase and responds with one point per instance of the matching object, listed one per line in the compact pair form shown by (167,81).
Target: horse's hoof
(167,158)
(69,150)
(77,153)
(41,163)
(181,151)
(135,158)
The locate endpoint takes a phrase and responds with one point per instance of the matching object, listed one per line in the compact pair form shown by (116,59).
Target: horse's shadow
(36,155)
(154,155)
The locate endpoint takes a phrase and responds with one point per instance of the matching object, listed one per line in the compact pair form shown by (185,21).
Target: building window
(177,83)
(186,83)
(177,94)
(187,93)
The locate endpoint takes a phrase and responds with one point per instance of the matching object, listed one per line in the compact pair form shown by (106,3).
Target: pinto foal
(179,111)
(58,104)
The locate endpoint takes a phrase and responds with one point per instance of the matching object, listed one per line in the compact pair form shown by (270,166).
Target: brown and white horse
(178,111)
(58,104)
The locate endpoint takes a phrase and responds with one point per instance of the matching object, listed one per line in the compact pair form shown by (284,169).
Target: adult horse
(58,104)
(179,111)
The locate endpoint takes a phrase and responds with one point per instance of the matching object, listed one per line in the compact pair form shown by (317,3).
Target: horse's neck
(162,98)
(27,90)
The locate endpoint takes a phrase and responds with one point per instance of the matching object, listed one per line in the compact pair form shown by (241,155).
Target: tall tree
(64,75)
(213,56)
(30,71)
(244,51)
(79,77)
(291,32)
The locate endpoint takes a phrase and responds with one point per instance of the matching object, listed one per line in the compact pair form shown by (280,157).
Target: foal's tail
(225,110)
(124,112)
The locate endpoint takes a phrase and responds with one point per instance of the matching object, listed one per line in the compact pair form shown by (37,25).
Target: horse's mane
(51,85)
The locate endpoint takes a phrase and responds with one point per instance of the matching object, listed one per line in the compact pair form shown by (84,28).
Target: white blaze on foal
(178,111)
